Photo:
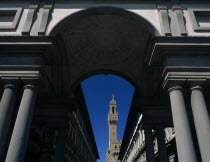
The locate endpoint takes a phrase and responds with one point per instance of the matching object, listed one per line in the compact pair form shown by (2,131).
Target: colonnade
(184,141)
(18,142)
(185,147)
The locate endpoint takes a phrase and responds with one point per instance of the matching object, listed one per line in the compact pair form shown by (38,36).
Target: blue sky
(98,92)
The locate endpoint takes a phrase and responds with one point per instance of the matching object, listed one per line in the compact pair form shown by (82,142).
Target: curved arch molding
(103,40)
(147,17)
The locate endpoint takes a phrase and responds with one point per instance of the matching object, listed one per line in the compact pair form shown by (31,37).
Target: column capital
(174,82)
(30,86)
(198,87)
(10,82)
(10,86)
(31,83)
(172,88)
(197,84)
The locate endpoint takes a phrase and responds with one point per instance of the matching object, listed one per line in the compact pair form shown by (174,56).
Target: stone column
(21,131)
(7,106)
(202,122)
(150,156)
(162,152)
(184,141)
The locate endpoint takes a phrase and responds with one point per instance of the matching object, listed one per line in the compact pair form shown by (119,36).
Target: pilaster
(45,15)
(32,12)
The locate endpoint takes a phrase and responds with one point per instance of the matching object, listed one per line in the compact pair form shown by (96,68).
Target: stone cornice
(184,75)
(27,46)
(23,75)
(161,47)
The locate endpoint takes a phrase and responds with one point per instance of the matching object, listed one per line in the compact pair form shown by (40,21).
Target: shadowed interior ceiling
(101,41)
(107,43)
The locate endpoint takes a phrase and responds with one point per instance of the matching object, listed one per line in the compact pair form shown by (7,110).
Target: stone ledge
(23,75)
(184,75)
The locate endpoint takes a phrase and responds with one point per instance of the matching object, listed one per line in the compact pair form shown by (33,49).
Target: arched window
(113,109)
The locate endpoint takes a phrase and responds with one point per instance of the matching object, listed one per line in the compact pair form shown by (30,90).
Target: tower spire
(112,97)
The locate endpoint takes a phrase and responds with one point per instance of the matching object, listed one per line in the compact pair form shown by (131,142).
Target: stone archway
(103,40)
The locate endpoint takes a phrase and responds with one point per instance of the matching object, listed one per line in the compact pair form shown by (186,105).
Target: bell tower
(112,121)
(114,144)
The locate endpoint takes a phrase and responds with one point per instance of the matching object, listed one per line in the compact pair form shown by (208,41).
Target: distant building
(163,145)
(113,150)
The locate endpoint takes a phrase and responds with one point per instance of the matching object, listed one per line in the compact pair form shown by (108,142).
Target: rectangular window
(9,17)
(200,19)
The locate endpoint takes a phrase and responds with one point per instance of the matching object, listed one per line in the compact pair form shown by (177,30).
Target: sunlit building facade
(163,144)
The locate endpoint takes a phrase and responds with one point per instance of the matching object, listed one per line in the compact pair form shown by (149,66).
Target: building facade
(113,150)
(48,47)
(136,150)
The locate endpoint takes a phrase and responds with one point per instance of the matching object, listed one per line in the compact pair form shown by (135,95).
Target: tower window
(113,109)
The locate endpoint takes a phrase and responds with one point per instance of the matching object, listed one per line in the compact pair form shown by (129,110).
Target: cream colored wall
(61,11)
(147,11)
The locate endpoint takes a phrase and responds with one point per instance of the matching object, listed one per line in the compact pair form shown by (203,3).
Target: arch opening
(98,91)
(105,73)
(103,40)
(99,41)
